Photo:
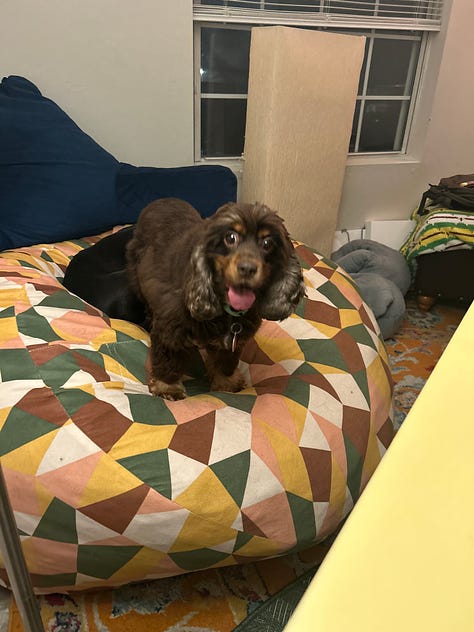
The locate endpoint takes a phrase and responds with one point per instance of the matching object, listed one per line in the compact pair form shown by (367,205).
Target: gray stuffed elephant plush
(382,276)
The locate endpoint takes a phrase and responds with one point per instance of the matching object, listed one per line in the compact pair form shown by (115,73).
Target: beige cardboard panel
(301,99)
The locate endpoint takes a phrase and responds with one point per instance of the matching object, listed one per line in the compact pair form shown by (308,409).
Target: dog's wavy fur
(181,266)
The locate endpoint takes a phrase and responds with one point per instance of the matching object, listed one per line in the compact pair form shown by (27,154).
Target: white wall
(444,142)
(449,147)
(121,69)
(124,72)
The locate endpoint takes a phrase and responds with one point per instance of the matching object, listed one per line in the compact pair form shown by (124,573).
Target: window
(397,33)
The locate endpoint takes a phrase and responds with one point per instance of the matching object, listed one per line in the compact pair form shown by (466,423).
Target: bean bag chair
(110,485)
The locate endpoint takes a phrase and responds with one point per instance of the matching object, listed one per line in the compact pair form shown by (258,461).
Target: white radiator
(389,232)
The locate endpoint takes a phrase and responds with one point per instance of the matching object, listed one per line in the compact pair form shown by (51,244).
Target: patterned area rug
(217,600)
(416,349)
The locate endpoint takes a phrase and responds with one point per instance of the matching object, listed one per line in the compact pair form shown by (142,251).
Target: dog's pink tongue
(240,299)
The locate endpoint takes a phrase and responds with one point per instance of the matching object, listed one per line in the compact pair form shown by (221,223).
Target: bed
(110,485)
(440,253)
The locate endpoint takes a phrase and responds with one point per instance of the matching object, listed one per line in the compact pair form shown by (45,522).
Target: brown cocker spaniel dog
(208,283)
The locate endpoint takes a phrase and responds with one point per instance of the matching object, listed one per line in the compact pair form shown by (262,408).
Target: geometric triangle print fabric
(111,485)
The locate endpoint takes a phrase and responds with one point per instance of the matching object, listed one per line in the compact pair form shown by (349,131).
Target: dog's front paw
(231,383)
(172,392)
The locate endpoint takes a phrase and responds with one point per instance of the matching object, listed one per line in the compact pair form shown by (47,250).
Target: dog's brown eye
(267,244)
(231,238)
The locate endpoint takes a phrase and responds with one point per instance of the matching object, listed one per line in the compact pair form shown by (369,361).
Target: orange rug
(217,600)
(417,348)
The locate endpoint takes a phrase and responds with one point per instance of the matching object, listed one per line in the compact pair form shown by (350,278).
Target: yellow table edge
(404,560)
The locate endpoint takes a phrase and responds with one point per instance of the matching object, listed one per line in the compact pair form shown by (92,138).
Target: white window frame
(417,115)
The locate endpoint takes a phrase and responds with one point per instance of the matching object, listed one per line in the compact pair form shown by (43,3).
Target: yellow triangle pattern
(208,491)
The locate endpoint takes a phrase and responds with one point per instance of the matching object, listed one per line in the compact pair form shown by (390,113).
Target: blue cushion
(206,187)
(56,182)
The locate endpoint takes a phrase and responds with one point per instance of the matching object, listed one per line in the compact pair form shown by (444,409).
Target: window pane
(380,124)
(224,72)
(391,71)
(224,61)
(223,127)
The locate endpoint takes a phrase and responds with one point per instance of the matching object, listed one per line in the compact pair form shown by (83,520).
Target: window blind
(381,14)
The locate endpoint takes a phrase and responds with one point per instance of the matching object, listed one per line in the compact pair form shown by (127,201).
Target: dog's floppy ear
(286,287)
(286,291)
(199,295)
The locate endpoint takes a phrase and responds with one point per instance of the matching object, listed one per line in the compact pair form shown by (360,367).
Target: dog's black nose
(247,269)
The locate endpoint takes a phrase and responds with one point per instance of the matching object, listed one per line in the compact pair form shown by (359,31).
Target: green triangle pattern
(233,473)
(21,428)
(16,364)
(152,468)
(58,523)
(303,518)
(150,411)
(198,558)
(33,324)
(112,558)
